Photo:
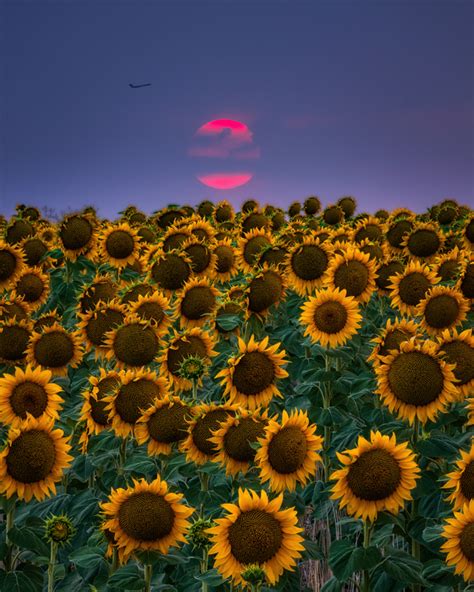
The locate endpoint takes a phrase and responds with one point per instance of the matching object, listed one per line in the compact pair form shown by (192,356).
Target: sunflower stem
(365,574)
(51,564)
(148,572)
(204,564)
(10,519)
(204,479)
(195,389)
(115,561)
(123,455)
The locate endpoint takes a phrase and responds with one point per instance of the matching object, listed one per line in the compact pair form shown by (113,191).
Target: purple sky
(372,99)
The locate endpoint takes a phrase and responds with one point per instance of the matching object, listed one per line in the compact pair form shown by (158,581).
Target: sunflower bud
(254,574)
(59,529)
(192,368)
(197,535)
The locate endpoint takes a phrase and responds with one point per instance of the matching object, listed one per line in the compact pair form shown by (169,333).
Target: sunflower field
(205,399)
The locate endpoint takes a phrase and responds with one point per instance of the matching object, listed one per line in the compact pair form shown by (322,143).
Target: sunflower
(465,283)
(333,215)
(458,349)
(170,270)
(28,391)
(146,517)
(368,229)
(234,438)
(331,317)
(77,235)
(251,246)
(136,392)
(448,266)
(196,303)
(93,411)
(228,307)
(35,249)
(415,381)
(119,244)
(265,289)
(152,308)
(306,265)
(134,343)
(459,546)
(33,460)
(11,308)
(251,375)
(12,263)
(378,475)
(289,451)
(174,238)
(102,287)
(391,337)
(193,342)
(312,205)
(424,241)
(32,286)
(226,260)
(201,229)
(442,308)
(254,220)
(256,531)
(96,323)
(348,205)
(409,288)
(163,424)
(14,337)
(385,270)
(131,292)
(207,418)
(224,212)
(274,256)
(395,231)
(354,272)
(203,260)
(462,480)
(377,251)
(56,349)
(468,233)
(46,320)
(17,230)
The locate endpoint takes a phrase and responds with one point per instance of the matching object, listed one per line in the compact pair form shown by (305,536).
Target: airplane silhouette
(139,85)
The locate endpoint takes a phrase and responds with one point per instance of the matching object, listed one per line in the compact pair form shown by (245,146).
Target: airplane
(139,85)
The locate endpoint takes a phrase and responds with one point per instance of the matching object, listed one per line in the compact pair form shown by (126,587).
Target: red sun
(226,145)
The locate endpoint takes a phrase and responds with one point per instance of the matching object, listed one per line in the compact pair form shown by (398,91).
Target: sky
(363,98)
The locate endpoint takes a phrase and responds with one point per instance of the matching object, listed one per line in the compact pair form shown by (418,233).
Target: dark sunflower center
(441,311)
(352,276)
(255,537)
(423,243)
(13,342)
(204,427)
(264,291)
(461,354)
(333,215)
(28,397)
(274,256)
(133,293)
(370,231)
(30,286)
(98,412)
(225,258)
(19,230)
(416,378)
(197,302)
(200,257)
(34,249)
(255,220)
(151,311)
(385,273)
(373,251)
(174,241)
(413,287)
(7,265)
(448,270)
(54,349)
(330,317)
(75,233)
(119,244)
(100,291)
(254,373)
(191,347)
(287,450)
(135,345)
(8,310)
(467,481)
(168,424)
(470,231)
(223,213)
(171,272)
(133,399)
(146,516)
(466,541)
(392,340)
(309,262)
(238,438)
(253,248)
(467,283)
(31,457)
(104,321)
(396,233)
(375,475)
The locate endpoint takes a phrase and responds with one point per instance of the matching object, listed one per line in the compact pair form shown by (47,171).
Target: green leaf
(211,577)
(128,577)
(27,538)
(227,322)
(402,567)
(27,578)
(345,559)
(89,557)
(332,585)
